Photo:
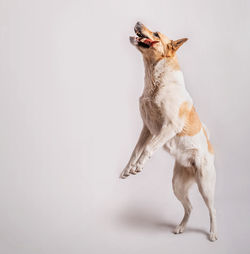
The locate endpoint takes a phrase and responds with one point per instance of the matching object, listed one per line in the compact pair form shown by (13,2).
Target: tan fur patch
(209,145)
(192,122)
(170,52)
(174,63)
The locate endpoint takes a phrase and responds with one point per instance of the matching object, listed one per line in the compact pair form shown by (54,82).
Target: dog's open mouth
(143,40)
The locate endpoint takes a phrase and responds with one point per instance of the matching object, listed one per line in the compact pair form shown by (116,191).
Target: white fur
(163,94)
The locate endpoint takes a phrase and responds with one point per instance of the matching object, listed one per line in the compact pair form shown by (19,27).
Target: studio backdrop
(69,119)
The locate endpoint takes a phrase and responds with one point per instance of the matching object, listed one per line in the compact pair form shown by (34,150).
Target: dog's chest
(152,114)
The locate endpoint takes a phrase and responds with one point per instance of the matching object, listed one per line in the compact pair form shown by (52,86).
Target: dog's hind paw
(213,236)
(179,229)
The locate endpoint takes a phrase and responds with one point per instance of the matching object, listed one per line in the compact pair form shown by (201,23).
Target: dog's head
(154,45)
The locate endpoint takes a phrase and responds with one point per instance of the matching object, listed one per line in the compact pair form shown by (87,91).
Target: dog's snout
(138,26)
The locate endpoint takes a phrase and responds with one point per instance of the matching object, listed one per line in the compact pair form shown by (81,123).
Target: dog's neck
(162,73)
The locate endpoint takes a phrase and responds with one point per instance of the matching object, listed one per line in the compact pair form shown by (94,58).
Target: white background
(69,119)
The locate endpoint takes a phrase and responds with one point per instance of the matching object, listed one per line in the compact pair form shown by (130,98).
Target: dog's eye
(156,34)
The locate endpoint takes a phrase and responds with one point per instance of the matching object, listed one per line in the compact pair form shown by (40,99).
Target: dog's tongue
(148,41)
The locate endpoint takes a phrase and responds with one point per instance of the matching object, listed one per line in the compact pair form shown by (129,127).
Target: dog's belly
(151,115)
(188,150)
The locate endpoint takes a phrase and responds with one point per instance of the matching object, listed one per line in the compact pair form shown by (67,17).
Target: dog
(171,121)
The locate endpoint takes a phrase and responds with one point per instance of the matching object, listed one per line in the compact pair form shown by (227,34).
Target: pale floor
(57,216)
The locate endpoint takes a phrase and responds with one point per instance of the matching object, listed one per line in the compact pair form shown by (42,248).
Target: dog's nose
(138,24)
(138,27)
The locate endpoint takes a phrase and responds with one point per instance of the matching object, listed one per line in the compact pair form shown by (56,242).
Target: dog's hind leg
(131,166)
(206,184)
(182,180)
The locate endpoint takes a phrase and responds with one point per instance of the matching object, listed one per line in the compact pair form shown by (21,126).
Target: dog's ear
(176,44)
(173,46)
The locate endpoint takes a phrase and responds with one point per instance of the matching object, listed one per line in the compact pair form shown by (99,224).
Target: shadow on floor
(141,219)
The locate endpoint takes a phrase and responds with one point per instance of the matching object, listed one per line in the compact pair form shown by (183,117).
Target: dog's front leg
(131,166)
(157,141)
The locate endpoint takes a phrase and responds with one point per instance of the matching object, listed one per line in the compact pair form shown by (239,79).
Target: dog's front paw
(213,236)
(139,168)
(125,173)
(132,170)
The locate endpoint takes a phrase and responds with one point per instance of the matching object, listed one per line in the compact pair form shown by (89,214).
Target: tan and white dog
(170,121)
